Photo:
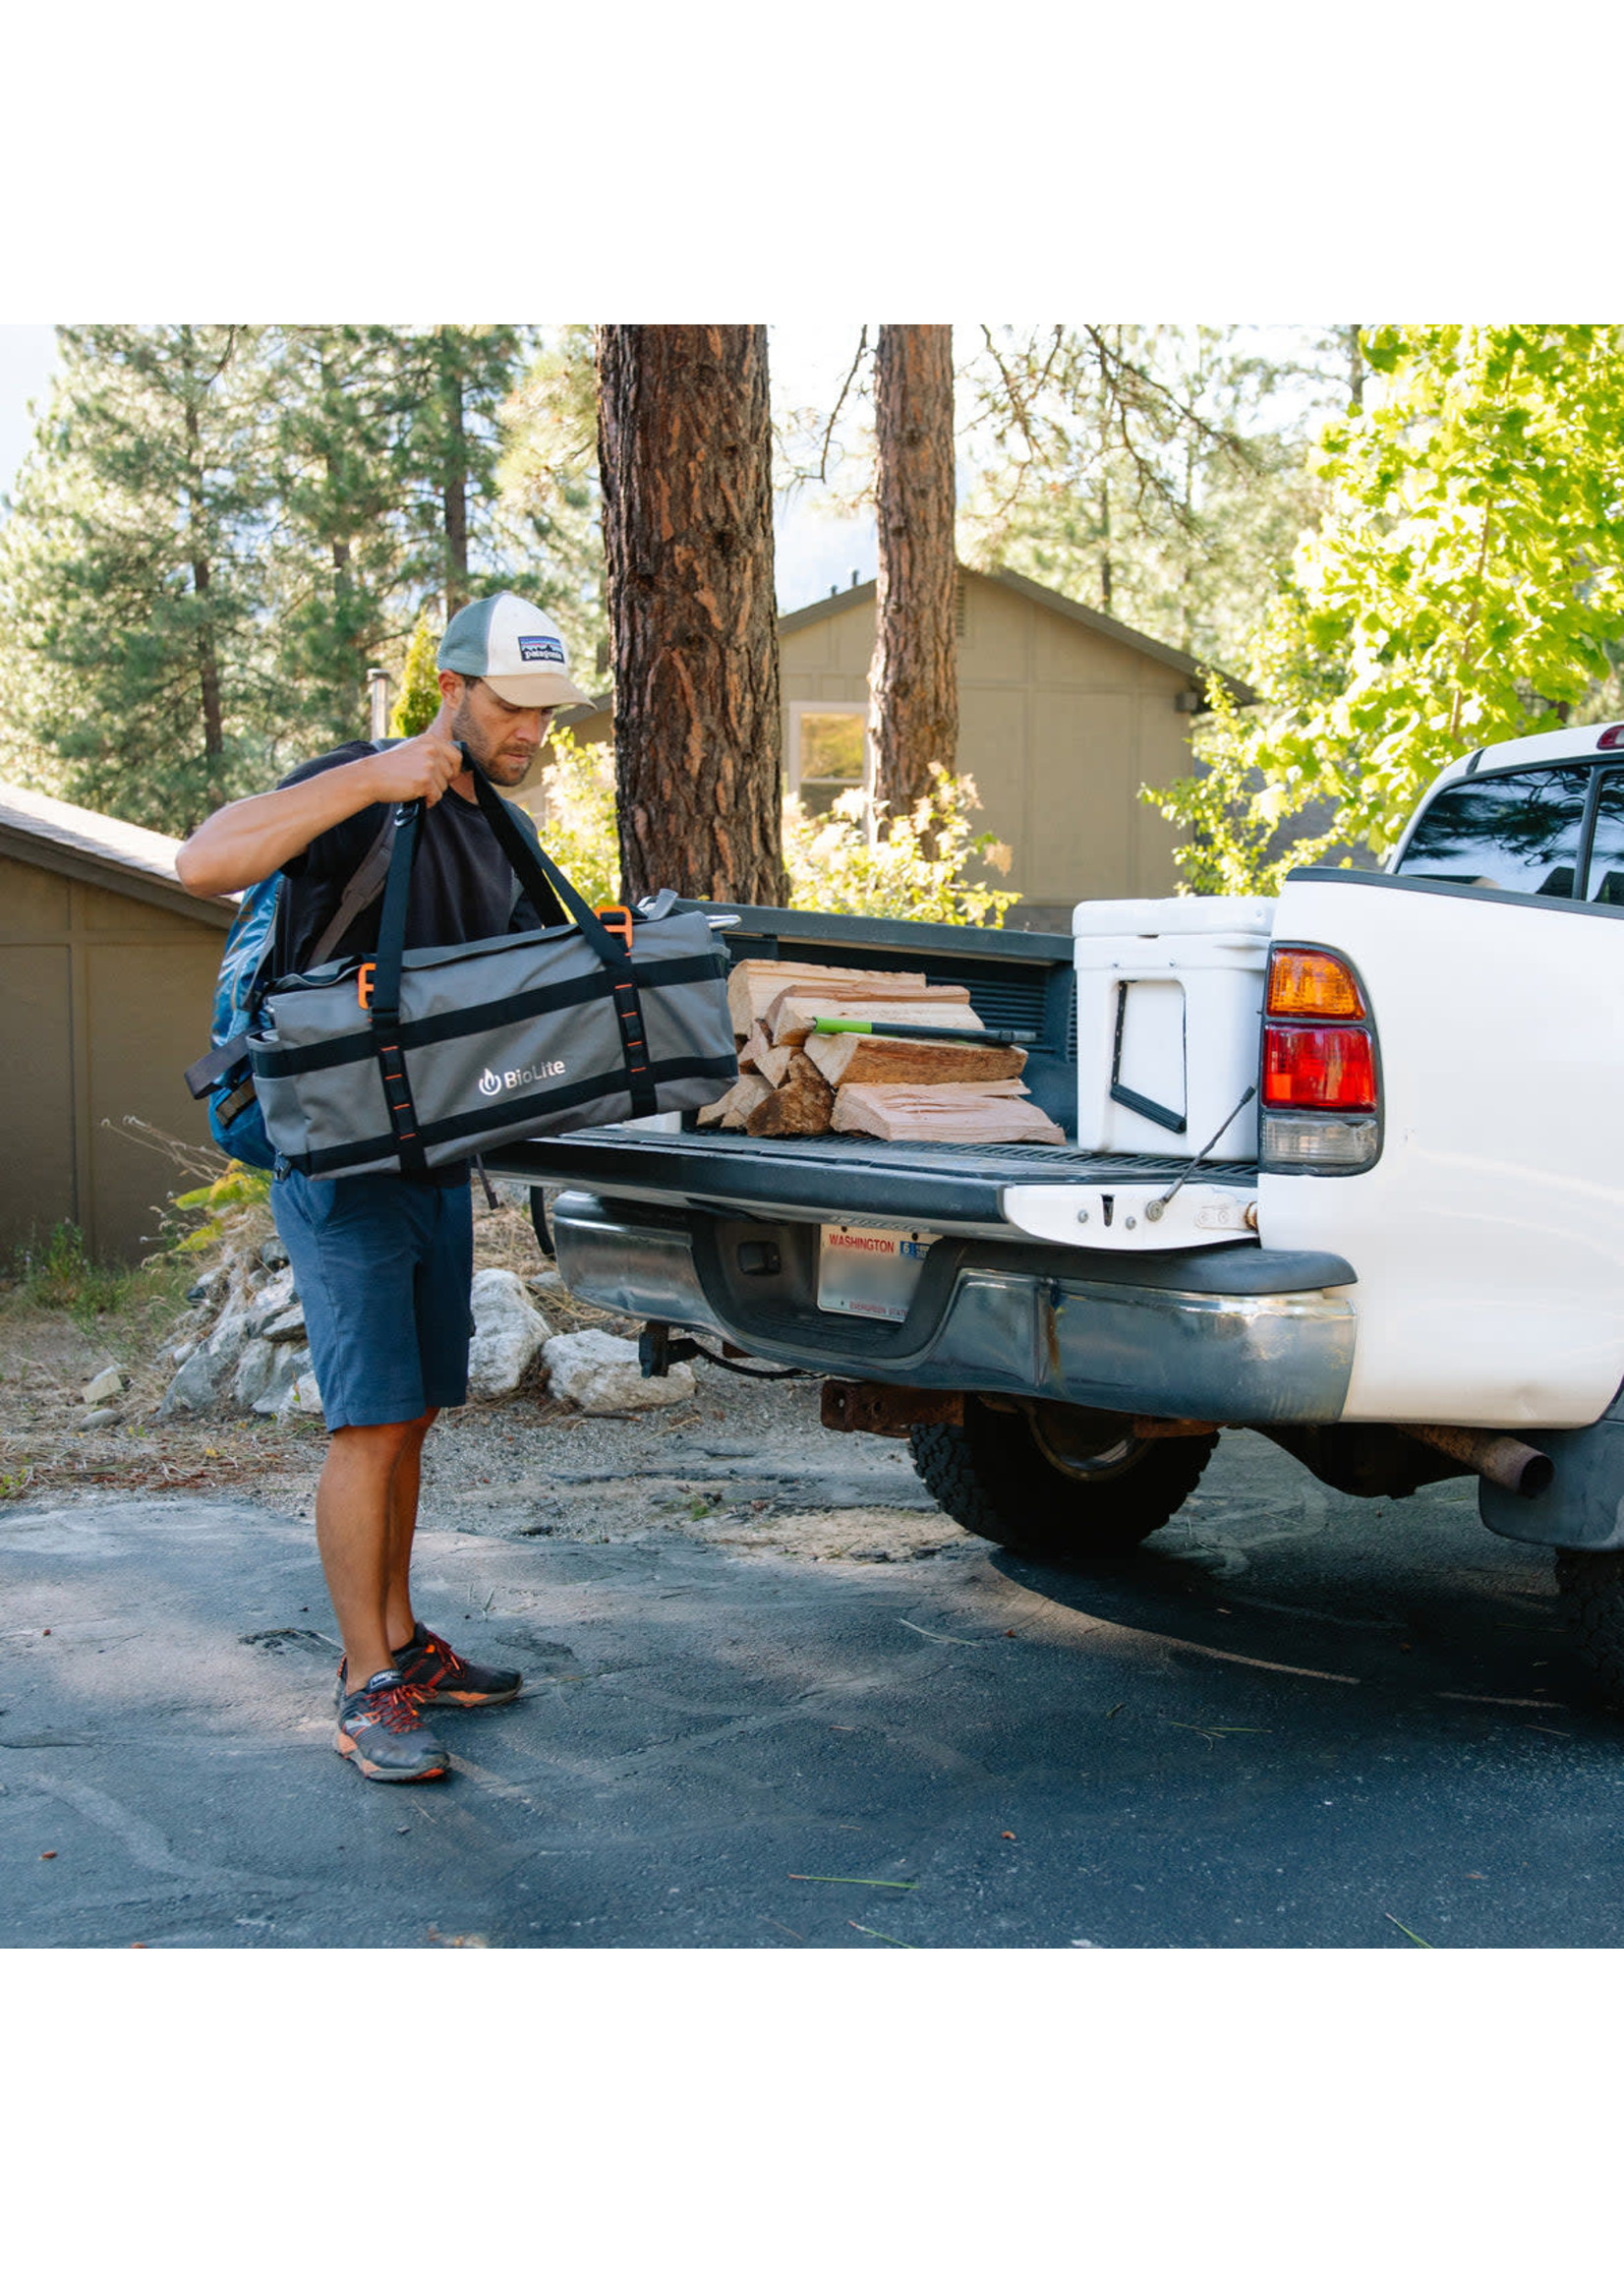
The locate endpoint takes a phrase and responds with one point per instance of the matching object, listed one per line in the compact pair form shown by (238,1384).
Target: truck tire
(1060,1485)
(1592,1588)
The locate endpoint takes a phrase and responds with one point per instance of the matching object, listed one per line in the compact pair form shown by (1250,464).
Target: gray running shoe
(381,1731)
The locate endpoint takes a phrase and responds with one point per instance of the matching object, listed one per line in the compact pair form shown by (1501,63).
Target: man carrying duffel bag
(382,1263)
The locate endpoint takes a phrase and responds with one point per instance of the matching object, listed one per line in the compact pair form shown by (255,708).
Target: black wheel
(1058,1483)
(1592,1592)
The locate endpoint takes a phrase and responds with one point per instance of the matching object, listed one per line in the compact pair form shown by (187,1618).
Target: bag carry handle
(382,998)
(533,867)
(538,874)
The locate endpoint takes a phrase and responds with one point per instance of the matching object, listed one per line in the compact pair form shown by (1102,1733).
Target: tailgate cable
(658,1350)
(1157,1208)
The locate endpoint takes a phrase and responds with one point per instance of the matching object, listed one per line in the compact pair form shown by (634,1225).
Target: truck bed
(830,1177)
(1015,979)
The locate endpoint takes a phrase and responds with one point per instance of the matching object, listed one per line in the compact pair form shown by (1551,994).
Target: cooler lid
(1193,914)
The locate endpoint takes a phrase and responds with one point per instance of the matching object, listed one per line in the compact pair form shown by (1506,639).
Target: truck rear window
(1509,832)
(1606,868)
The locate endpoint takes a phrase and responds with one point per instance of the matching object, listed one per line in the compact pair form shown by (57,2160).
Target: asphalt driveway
(1295,1721)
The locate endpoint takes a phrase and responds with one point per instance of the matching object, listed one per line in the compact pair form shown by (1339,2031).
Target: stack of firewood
(796,1082)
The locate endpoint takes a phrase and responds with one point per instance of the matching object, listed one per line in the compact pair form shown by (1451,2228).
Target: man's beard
(511,766)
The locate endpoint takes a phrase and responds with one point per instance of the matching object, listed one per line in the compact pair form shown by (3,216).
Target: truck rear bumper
(1236,1335)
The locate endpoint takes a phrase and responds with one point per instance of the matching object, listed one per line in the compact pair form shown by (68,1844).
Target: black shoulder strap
(358,893)
(361,891)
(549,908)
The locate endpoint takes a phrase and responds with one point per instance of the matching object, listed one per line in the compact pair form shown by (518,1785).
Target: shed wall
(1058,725)
(103,1000)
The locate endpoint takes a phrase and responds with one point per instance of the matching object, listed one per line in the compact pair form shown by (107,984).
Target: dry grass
(59,1327)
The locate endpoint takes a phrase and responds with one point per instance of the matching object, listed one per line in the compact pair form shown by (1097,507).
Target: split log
(794,1018)
(743,1100)
(801,1105)
(772,1063)
(942,1113)
(877,1057)
(755,980)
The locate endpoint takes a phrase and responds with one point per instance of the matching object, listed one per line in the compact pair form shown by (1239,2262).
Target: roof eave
(86,867)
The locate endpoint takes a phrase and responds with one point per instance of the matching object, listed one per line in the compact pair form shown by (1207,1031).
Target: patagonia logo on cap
(541,648)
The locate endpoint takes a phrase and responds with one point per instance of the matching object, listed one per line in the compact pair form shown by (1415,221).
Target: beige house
(107,971)
(1064,713)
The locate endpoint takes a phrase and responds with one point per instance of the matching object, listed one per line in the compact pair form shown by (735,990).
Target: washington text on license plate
(870,1271)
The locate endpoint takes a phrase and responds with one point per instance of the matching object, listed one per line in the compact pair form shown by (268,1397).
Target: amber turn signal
(1309,983)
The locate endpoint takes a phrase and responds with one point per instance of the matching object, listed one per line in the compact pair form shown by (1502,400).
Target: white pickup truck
(1401,1259)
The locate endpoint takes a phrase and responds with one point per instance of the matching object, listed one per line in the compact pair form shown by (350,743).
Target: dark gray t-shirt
(462,885)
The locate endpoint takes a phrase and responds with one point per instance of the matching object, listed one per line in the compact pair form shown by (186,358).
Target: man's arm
(255,837)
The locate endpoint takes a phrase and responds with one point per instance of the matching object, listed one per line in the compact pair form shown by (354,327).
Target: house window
(829,752)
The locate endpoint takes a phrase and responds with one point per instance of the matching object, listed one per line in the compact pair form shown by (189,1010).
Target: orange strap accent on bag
(617,920)
(364,985)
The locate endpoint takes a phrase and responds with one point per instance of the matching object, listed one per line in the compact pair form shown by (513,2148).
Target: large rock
(211,1288)
(288,1361)
(201,1380)
(507,1334)
(303,1398)
(253,1371)
(602,1374)
(275,1296)
(287,1325)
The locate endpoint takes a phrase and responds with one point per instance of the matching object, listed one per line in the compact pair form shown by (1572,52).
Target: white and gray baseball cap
(516,650)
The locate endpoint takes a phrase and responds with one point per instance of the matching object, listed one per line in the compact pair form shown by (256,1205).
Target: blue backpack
(222,1074)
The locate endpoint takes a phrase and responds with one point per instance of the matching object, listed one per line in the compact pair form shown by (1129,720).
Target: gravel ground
(743,1462)
(746,1464)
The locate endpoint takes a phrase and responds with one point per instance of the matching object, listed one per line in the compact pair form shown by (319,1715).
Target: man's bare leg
(356,1529)
(400,1620)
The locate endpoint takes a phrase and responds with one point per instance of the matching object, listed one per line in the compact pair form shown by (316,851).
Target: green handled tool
(893,1031)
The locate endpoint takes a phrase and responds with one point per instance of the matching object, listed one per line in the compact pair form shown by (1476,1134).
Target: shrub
(915,870)
(913,867)
(579,829)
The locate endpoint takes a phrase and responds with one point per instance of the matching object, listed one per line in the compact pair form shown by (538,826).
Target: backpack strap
(206,1073)
(363,888)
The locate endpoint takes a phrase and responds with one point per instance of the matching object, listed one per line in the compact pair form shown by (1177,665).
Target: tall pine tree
(131,578)
(451,382)
(338,556)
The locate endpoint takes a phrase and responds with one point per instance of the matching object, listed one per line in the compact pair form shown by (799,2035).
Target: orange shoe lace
(393,1707)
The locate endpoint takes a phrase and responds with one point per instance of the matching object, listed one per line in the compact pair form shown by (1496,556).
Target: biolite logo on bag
(492,1084)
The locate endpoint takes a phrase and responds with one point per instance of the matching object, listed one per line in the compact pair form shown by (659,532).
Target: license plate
(870,1272)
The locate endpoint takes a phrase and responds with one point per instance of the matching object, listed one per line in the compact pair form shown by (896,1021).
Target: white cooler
(1170,999)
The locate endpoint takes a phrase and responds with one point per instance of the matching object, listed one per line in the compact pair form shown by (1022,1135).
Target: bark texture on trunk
(913,682)
(454,494)
(209,662)
(685,450)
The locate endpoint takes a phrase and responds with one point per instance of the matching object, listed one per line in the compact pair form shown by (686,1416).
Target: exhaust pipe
(1506,1461)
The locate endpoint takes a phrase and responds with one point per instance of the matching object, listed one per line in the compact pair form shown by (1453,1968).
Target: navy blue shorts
(383,1269)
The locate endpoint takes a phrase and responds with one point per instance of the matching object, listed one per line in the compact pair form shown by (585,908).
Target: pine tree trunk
(686,451)
(209,662)
(913,682)
(454,495)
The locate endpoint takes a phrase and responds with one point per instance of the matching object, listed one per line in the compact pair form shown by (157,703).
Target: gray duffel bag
(422,1055)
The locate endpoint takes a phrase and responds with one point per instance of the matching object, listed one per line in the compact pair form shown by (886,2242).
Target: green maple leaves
(1465,586)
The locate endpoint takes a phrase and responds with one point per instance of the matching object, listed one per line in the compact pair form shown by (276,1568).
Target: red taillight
(1610,738)
(1332,1067)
